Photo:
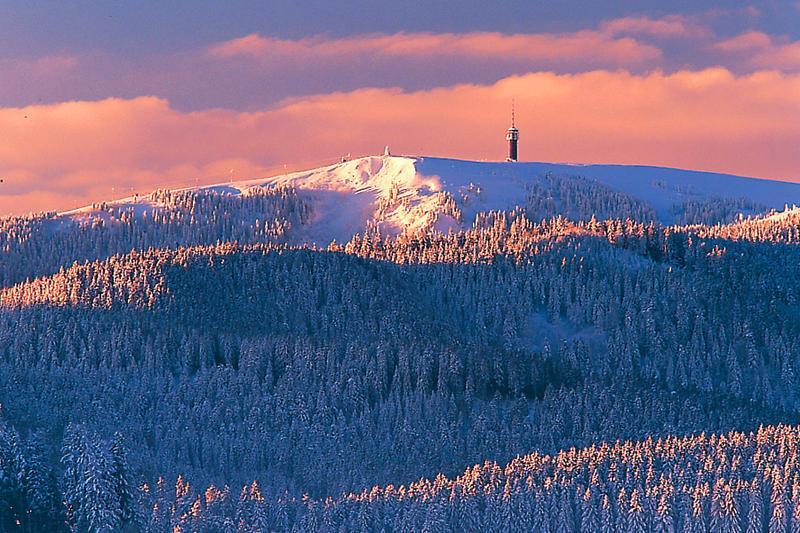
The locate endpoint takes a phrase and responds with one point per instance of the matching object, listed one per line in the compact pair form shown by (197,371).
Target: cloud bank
(64,155)
(583,47)
(252,71)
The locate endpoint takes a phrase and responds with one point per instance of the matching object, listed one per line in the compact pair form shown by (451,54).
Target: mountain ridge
(408,193)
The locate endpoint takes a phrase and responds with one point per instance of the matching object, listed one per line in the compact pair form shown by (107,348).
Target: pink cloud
(587,46)
(670,26)
(68,154)
(752,40)
(763,51)
(39,67)
(734,12)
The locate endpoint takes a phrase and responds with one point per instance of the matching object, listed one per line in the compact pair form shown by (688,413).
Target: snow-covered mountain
(397,193)
(473,381)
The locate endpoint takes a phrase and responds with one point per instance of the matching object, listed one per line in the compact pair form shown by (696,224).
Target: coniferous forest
(571,364)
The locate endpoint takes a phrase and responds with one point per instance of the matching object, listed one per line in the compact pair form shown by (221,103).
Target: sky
(102,99)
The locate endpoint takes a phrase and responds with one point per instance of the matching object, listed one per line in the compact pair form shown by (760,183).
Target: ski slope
(398,193)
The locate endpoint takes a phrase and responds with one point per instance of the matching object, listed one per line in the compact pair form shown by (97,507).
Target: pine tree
(123,485)
(13,500)
(663,522)
(755,512)
(88,483)
(636,520)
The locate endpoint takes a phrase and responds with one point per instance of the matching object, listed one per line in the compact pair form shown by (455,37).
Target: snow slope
(409,193)
(660,187)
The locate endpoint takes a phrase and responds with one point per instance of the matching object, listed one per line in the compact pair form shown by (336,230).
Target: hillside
(728,482)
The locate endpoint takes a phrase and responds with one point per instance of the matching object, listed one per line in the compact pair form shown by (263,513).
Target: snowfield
(398,193)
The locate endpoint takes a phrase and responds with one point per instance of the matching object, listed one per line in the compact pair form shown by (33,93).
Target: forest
(570,364)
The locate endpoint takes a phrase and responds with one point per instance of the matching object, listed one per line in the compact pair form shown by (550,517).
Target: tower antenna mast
(513,113)
(512,134)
